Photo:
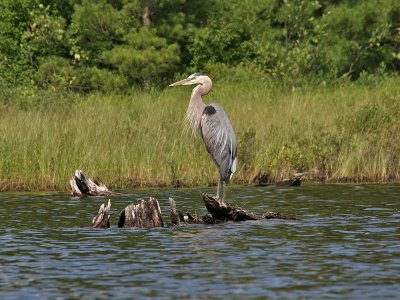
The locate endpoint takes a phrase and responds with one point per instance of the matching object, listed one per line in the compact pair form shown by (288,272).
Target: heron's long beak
(187,81)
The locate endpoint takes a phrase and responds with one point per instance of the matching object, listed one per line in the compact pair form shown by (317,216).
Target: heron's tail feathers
(233,168)
(228,175)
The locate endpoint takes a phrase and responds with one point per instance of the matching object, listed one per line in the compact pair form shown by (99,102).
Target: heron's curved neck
(197,105)
(205,88)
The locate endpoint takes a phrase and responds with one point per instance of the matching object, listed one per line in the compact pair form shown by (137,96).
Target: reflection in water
(347,245)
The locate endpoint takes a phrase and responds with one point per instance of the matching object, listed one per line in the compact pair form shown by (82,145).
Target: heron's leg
(220,189)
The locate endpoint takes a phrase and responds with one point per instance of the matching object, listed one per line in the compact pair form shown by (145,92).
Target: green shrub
(56,74)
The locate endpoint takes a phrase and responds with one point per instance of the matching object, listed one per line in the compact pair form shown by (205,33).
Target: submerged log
(277,215)
(102,219)
(145,214)
(82,186)
(222,211)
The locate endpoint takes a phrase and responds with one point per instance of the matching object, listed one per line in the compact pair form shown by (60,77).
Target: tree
(361,37)
(143,57)
(113,44)
(15,18)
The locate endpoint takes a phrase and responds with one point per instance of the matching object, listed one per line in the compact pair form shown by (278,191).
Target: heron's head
(196,78)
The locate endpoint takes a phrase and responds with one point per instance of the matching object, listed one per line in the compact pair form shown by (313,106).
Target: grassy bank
(346,132)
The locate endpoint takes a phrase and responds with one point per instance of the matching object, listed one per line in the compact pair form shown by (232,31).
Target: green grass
(346,132)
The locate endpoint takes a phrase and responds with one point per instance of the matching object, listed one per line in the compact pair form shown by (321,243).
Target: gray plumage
(220,140)
(214,126)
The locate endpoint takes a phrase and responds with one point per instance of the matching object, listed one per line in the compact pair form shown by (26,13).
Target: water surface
(346,246)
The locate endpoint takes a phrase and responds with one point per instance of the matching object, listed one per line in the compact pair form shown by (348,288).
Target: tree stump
(175,217)
(82,186)
(102,219)
(145,214)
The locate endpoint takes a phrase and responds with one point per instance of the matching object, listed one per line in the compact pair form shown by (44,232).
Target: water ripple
(346,245)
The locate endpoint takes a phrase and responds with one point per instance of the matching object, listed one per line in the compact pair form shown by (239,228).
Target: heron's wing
(219,138)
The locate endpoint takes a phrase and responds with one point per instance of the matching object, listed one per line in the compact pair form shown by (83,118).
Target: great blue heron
(214,126)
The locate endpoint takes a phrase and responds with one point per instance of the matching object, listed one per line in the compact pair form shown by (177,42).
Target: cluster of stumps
(147,213)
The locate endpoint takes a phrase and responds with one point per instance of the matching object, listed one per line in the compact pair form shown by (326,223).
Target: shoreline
(165,186)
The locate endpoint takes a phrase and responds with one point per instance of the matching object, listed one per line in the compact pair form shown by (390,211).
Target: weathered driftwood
(102,219)
(82,186)
(222,211)
(145,214)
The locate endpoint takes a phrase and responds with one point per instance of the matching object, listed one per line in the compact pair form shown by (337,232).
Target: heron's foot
(220,200)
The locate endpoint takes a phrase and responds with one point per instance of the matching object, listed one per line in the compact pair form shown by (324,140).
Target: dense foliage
(85,45)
